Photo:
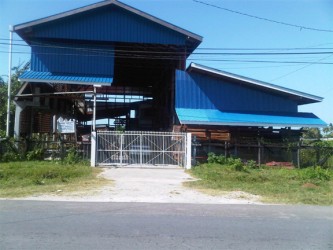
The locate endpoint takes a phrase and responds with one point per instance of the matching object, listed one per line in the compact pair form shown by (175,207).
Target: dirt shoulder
(148,185)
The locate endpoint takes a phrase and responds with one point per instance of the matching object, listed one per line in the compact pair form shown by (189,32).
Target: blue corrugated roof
(216,117)
(48,77)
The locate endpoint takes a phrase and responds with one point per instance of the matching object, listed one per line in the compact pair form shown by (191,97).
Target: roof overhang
(62,78)
(301,97)
(217,117)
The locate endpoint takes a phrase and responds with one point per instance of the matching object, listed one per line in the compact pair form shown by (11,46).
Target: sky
(240,26)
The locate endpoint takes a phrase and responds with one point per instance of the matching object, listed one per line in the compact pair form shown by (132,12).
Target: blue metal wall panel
(73,59)
(198,91)
(110,23)
(189,94)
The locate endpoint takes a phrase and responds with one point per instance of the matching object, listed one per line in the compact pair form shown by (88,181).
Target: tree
(2,82)
(328,131)
(312,133)
(15,86)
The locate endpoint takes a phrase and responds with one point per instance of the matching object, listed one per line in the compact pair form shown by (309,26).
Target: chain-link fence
(297,154)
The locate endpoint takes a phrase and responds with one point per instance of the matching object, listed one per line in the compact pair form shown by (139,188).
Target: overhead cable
(263,18)
(176,53)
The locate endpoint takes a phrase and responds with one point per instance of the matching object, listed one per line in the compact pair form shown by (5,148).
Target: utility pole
(9,78)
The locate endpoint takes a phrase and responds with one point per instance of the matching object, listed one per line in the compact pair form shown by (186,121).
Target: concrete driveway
(149,185)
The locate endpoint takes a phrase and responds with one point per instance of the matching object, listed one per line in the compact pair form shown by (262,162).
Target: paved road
(79,225)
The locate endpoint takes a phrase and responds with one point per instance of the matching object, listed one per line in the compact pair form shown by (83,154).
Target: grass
(19,179)
(294,186)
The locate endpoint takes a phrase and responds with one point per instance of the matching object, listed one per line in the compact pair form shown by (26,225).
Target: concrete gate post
(93,150)
(188,151)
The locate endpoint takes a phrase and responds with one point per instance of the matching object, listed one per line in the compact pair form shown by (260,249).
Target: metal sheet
(110,23)
(73,59)
(199,91)
(301,97)
(108,7)
(48,77)
(216,117)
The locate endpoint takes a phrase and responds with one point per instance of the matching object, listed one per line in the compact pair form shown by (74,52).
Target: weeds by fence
(11,150)
(302,154)
(299,154)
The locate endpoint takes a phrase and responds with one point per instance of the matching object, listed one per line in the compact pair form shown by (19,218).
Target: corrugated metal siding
(109,24)
(189,94)
(197,91)
(73,59)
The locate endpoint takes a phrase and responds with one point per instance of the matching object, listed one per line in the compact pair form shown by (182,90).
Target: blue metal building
(140,63)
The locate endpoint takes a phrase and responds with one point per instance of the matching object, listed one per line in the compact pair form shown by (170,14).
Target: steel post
(9,79)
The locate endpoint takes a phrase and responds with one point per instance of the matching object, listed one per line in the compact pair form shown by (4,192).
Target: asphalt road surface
(80,225)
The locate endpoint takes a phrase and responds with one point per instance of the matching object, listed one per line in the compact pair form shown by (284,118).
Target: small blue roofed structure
(221,98)
(140,63)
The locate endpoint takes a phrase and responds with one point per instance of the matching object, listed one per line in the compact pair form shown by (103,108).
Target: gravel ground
(149,185)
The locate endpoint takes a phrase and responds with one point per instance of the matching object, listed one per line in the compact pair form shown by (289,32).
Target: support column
(298,154)
(259,152)
(225,149)
(19,107)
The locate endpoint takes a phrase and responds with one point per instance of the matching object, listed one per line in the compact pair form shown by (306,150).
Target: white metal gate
(141,148)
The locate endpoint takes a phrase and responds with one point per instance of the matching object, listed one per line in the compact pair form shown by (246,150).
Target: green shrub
(213,158)
(234,163)
(10,152)
(315,174)
(251,164)
(36,154)
(238,164)
(72,156)
(11,156)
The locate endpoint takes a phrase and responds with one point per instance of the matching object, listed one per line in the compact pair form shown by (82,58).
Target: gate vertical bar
(140,149)
(121,149)
(163,149)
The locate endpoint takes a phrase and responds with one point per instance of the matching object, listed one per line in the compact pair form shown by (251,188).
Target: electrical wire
(168,52)
(150,57)
(292,72)
(169,57)
(263,18)
(199,48)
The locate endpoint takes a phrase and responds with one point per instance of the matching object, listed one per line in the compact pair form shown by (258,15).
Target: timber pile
(203,135)
(280,164)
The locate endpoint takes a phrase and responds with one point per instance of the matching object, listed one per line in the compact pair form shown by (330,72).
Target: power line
(173,53)
(263,18)
(200,48)
(292,72)
(150,57)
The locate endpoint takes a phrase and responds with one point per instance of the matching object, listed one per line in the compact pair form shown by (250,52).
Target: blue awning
(64,78)
(216,117)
